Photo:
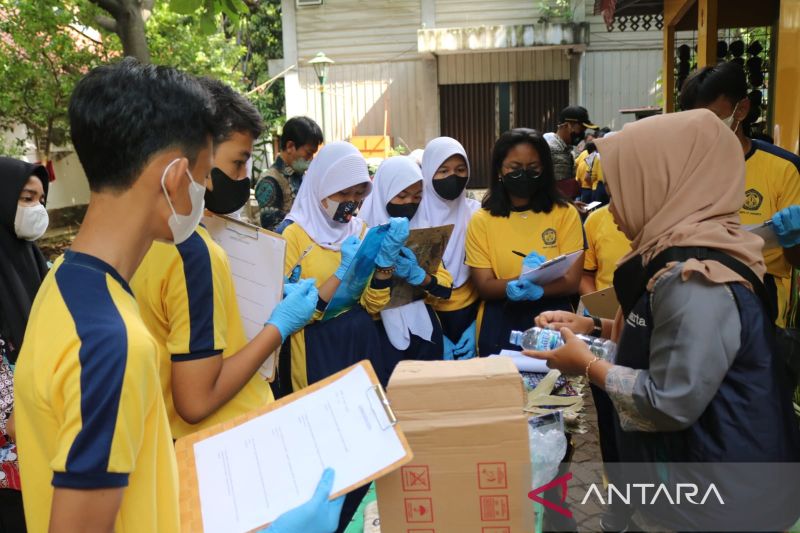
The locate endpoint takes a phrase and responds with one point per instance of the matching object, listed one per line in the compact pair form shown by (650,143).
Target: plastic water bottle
(541,339)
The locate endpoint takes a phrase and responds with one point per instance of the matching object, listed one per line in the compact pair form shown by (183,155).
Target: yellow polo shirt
(605,245)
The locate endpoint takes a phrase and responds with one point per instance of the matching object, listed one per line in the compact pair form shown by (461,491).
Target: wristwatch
(597,330)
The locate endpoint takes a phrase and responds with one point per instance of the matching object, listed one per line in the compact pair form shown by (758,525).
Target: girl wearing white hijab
(324,222)
(445,173)
(411,331)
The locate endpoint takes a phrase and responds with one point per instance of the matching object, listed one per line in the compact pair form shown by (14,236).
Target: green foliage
(207,11)
(398,150)
(178,40)
(555,10)
(44,50)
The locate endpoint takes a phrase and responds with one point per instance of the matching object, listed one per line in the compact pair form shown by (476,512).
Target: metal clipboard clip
(380,403)
(243,229)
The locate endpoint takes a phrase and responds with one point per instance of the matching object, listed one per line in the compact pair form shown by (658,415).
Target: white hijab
(436,211)
(393,176)
(338,166)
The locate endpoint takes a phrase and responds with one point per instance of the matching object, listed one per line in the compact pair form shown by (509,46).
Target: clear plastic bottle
(541,339)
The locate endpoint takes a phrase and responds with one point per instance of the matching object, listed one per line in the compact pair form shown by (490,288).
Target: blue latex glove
(532,260)
(407,267)
(349,249)
(519,290)
(317,515)
(394,240)
(294,277)
(465,347)
(296,309)
(787,226)
(448,348)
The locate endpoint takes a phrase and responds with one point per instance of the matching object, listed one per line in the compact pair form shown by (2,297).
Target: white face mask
(729,121)
(31,222)
(182,226)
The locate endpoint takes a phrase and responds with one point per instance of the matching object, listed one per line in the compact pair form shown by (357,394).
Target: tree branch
(107,23)
(112,6)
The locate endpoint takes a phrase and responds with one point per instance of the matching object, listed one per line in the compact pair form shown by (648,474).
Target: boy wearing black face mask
(188,300)
(573,121)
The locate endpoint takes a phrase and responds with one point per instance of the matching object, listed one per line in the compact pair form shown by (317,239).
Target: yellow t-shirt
(88,405)
(582,170)
(772,183)
(320,264)
(188,301)
(491,240)
(605,245)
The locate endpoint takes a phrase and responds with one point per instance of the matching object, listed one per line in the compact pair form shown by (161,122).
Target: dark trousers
(12,517)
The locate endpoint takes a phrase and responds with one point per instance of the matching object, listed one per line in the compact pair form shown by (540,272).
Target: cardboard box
(471,471)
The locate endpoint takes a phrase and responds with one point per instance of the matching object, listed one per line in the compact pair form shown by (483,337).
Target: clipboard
(185,448)
(257,294)
(766,231)
(551,270)
(602,304)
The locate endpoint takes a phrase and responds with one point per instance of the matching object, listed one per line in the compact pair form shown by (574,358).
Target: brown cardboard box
(471,471)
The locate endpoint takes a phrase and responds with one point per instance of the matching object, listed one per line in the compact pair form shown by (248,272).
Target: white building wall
(459,13)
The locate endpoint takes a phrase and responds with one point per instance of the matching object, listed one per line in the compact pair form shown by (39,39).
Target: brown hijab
(678,180)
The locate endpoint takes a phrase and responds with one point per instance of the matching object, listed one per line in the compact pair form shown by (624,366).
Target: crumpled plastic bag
(547,445)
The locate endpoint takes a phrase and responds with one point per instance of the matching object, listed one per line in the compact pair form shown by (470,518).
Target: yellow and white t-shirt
(188,301)
(605,246)
(582,170)
(772,183)
(88,403)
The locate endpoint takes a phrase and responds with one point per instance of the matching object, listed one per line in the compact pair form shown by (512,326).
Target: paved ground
(587,450)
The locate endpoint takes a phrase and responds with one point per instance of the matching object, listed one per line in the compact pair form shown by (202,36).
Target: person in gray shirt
(573,121)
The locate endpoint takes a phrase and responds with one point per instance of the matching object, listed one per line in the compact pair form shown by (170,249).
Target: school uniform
(491,243)
(588,165)
(89,408)
(772,183)
(605,246)
(188,301)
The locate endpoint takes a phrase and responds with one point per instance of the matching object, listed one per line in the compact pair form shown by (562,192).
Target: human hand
(293,277)
(408,269)
(571,358)
(348,250)
(465,347)
(519,290)
(564,319)
(448,348)
(393,241)
(786,223)
(296,309)
(533,260)
(317,515)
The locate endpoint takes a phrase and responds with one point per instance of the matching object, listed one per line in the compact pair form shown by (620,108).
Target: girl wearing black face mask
(411,331)
(524,221)
(445,173)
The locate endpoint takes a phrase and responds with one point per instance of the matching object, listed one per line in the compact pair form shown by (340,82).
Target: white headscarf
(436,211)
(393,176)
(338,166)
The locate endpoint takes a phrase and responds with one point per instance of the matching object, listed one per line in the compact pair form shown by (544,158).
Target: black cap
(576,113)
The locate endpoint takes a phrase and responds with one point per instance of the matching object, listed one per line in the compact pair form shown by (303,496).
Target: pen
(519,254)
(302,256)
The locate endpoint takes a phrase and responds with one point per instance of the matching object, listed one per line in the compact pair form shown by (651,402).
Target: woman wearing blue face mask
(411,331)
(23,219)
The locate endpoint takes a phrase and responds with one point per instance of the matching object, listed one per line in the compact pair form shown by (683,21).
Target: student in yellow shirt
(524,222)
(209,371)
(90,414)
(588,172)
(605,246)
(445,174)
(411,331)
(772,175)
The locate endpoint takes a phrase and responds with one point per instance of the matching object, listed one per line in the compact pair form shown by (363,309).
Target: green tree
(44,50)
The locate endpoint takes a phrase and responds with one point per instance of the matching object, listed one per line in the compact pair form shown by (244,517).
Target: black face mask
(450,187)
(405,210)
(521,183)
(345,211)
(576,138)
(229,195)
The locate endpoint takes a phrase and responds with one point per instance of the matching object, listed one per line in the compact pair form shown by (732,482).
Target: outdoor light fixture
(321,63)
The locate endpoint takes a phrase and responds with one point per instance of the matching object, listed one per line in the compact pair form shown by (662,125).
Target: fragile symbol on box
(492,476)
(419,510)
(415,478)
(494,508)
(494,529)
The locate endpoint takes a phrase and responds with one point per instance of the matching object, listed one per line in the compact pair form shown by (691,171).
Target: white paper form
(256,259)
(523,362)
(551,270)
(251,474)
(767,232)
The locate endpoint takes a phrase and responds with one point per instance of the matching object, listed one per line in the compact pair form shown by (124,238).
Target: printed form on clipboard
(551,270)
(256,257)
(242,474)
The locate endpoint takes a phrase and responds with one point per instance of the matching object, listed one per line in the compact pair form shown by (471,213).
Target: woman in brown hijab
(697,378)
